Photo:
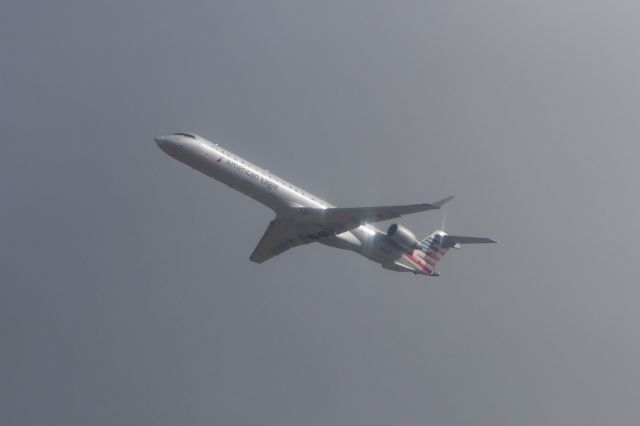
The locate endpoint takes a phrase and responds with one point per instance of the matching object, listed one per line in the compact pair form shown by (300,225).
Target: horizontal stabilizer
(451,240)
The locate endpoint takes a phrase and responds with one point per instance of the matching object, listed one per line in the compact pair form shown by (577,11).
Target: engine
(402,236)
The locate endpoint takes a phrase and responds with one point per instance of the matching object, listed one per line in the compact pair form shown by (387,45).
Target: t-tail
(430,250)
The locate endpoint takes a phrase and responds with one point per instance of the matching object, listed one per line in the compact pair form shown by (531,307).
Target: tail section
(436,245)
(431,250)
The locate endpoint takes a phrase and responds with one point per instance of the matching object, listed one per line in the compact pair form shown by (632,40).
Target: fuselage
(274,192)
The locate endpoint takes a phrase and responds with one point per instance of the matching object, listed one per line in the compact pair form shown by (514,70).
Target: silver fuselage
(272,191)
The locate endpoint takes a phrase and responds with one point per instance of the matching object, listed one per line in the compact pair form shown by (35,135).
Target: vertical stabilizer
(432,249)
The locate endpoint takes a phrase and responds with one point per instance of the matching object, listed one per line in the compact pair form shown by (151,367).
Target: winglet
(442,202)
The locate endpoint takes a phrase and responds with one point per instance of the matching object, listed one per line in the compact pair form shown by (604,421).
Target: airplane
(302,218)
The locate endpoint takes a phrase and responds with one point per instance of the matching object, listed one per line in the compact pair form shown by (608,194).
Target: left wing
(302,226)
(279,237)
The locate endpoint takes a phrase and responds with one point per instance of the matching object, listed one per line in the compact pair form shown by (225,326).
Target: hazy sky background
(127,296)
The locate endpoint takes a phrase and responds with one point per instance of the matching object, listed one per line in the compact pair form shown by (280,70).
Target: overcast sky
(127,296)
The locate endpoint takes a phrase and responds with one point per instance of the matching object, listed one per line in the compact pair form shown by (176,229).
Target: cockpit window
(185,134)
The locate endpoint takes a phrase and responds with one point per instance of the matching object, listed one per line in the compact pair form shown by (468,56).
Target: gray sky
(126,293)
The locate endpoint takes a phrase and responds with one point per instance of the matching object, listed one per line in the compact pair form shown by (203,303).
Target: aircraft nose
(161,141)
(166,143)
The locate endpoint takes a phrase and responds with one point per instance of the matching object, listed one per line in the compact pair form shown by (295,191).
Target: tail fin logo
(432,249)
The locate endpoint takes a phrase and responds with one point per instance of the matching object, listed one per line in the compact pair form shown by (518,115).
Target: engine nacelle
(402,236)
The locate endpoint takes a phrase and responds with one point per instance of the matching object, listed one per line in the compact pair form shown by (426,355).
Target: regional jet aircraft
(302,218)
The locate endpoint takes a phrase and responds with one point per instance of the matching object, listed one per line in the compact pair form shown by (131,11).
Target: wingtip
(440,203)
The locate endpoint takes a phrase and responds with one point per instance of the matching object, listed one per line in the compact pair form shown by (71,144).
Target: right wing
(341,219)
